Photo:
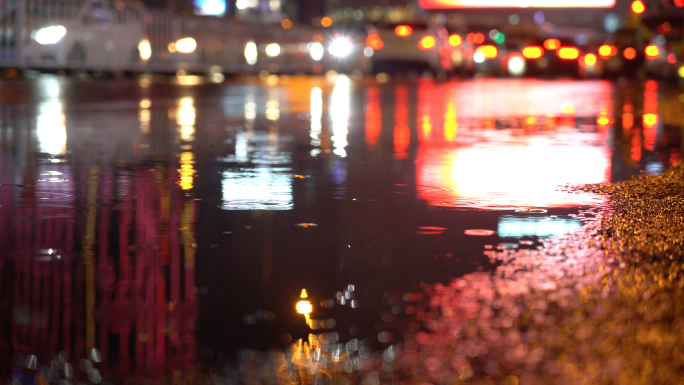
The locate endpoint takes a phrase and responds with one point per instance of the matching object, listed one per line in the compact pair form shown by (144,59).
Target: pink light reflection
(512,167)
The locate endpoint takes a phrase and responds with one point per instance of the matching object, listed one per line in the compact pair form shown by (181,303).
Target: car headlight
(341,46)
(145,50)
(50,35)
(316,51)
(273,50)
(186,45)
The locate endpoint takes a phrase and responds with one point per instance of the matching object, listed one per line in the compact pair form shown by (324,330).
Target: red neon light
(445,4)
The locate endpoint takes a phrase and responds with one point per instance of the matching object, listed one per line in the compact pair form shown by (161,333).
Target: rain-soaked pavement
(152,229)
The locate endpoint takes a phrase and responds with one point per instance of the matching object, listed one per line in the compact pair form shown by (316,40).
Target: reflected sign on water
(261,188)
(516,227)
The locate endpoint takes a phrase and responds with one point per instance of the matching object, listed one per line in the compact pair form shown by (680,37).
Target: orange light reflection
(650,118)
(373,116)
(402,134)
(636,147)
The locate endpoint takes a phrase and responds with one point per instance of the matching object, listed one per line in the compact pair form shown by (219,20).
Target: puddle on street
(149,227)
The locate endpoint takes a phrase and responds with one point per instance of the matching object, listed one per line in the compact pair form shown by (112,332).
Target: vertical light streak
(373,116)
(339,114)
(402,134)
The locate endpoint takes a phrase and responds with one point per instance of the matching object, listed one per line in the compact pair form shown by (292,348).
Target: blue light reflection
(516,227)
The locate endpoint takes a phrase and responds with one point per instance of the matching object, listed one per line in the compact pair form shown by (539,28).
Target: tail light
(629,53)
(552,44)
(652,52)
(454,40)
(606,51)
(568,53)
(489,51)
(475,38)
(590,59)
(638,7)
(374,41)
(403,30)
(427,42)
(533,52)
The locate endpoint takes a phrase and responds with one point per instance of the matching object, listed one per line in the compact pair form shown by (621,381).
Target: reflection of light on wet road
(450,125)
(272,110)
(51,128)
(261,188)
(241,148)
(304,306)
(650,118)
(185,118)
(402,134)
(511,226)
(250,108)
(539,148)
(144,116)
(373,116)
(186,171)
(316,117)
(339,114)
(525,173)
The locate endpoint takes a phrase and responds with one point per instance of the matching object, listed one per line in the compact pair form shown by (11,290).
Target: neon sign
(441,4)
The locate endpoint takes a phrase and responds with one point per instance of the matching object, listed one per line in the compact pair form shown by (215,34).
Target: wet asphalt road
(166,224)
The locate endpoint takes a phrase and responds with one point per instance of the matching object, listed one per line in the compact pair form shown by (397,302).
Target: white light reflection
(250,109)
(316,50)
(51,128)
(251,53)
(515,227)
(272,110)
(262,188)
(339,114)
(316,116)
(144,116)
(185,118)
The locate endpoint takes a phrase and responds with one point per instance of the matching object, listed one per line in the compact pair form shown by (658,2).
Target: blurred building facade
(108,278)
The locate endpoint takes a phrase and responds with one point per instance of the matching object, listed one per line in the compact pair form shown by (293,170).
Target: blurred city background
(441,38)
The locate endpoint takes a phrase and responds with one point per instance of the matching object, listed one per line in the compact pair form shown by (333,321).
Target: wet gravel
(602,305)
